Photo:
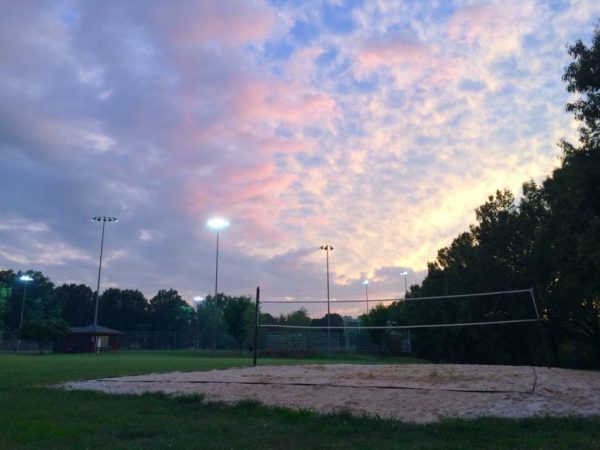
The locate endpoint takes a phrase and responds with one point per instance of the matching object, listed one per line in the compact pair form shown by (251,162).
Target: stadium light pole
(102,219)
(404,274)
(366,283)
(327,248)
(217,224)
(25,279)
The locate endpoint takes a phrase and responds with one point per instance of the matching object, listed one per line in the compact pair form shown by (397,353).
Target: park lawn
(33,416)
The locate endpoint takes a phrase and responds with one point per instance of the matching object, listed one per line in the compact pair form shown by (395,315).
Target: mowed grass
(33,416)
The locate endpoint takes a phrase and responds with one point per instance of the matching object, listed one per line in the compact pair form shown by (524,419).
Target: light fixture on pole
(405,273)
(216,223)
(366,283)
(102,219)
(327,248)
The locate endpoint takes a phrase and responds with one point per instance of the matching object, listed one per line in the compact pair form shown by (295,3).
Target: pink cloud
(230,22)
(392,52)
(269,145)
(247,190)
(252,195)
(470,22)
(277,101)
(497,27)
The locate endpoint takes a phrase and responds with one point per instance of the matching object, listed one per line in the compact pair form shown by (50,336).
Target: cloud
(20,224)
(234,22)
(497,27)
(392,52)
(379,134)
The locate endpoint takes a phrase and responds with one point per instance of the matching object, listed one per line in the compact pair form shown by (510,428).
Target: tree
(6,284)
(169,312)
(333,320)
(583,77)
(299,317)
(124,310)
(238,315)
(378,316)
(44,331)
(40,301)
(76,302)
(572,294)
(210,320)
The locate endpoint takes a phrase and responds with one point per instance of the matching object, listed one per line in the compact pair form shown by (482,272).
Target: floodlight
(217,223)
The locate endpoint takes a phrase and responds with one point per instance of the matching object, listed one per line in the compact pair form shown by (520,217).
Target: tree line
(222,319)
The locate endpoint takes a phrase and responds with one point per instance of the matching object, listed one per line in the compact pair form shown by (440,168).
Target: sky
(376,127)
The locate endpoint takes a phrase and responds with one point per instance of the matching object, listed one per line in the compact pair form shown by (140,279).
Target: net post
(256,312)
(541,328)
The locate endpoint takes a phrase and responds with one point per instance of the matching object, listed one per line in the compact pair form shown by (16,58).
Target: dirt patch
(413,393)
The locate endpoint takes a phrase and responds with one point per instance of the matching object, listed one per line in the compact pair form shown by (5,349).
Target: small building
(89,339)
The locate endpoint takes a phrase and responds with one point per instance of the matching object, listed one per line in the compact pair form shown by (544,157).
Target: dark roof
(93,329)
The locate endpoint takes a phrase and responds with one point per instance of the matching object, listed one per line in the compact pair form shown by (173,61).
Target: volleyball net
(500,327)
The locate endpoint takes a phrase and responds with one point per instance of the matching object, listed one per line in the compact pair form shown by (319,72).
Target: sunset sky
(374,126)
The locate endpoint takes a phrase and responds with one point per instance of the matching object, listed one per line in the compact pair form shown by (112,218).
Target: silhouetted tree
(77,303)
(44,331)
(378,316)
(238,315)
(210,320)
(6,286)
(40,301)
(169,312)
(124,310)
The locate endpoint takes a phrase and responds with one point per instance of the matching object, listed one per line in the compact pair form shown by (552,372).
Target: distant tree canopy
(123,309)
(40,301)
(168,311)
(238,315)
(6,287)
(299,317)
(44,332)
(222,321)
(76,302)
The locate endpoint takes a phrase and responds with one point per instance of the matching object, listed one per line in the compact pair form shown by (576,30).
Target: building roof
(93,329)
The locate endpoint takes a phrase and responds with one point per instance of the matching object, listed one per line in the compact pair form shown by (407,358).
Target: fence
(137,340)
(10,343)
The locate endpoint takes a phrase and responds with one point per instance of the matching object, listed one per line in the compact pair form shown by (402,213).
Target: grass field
(35,417)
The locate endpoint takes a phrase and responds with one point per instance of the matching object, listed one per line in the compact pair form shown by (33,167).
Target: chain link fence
(10,343)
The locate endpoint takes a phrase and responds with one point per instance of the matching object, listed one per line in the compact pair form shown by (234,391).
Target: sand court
(413,393)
